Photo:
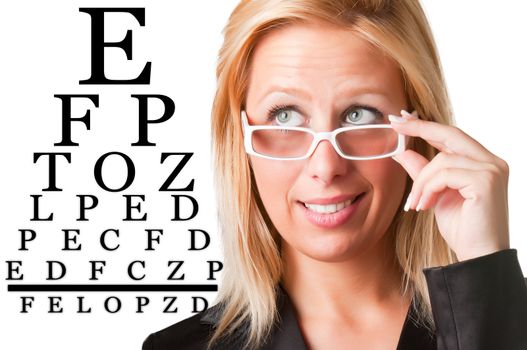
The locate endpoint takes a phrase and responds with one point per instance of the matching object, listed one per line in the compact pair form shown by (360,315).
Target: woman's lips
(331,220)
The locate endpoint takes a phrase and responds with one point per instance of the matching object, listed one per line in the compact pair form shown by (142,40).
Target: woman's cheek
(276,181)
(388,181)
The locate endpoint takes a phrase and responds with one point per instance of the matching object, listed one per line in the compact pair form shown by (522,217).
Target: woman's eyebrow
(362,89)
(305,95)
(285,90)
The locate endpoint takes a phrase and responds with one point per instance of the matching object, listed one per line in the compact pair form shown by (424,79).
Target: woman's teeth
(328,208)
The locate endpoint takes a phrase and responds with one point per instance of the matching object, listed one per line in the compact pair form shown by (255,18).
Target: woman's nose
(325,163)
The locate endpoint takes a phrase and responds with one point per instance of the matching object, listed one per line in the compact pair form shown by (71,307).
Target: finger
(444,160)
(445,138)
(429,200)
(412,162)
(458,179)
(413,115)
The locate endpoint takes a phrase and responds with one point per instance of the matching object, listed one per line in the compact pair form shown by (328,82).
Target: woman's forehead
(319,39)
(309,59)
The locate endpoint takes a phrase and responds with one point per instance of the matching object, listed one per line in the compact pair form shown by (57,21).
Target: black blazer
(477,304)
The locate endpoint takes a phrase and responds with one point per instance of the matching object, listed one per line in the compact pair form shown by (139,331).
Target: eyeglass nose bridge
(321,136)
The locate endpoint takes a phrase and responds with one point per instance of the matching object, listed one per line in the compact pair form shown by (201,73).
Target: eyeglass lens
(295,143)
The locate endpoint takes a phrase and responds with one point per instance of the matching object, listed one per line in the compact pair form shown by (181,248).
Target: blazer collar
(286,335)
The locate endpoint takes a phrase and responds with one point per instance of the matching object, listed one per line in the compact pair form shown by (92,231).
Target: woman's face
(323,78)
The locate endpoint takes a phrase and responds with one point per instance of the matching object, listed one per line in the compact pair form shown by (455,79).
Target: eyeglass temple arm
(245,121)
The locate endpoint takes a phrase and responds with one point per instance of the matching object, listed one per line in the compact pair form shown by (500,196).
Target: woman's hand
(464,183)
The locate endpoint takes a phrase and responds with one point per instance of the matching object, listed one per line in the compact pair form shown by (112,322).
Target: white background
(46,51)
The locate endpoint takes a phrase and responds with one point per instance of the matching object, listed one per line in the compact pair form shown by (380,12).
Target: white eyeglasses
(363,142)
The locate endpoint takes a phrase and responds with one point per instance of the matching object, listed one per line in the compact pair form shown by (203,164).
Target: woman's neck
(361,285)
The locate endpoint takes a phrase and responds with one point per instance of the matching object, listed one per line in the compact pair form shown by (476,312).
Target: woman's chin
(330,249)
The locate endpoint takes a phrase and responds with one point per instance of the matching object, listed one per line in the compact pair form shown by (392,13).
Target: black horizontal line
(112,288)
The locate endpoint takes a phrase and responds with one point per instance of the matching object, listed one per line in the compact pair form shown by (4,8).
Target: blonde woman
(348,222)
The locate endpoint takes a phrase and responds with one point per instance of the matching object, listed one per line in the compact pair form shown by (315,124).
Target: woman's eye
(362,116)
(287,117)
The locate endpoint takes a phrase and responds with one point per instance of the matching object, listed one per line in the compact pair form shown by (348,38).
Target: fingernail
(419,204)
(396,119)
(397,160)
(413,115)
(408,202)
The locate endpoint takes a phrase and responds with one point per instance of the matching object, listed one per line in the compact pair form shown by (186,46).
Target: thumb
(412,162)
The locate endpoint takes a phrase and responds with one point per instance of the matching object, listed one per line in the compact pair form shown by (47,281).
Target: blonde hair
(251,244)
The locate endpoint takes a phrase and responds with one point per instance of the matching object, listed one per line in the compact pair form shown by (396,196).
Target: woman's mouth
(329,208)
(331,214)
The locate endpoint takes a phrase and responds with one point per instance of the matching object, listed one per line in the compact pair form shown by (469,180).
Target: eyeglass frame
(318,136)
